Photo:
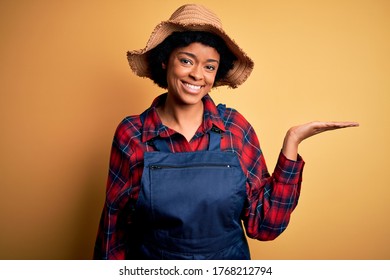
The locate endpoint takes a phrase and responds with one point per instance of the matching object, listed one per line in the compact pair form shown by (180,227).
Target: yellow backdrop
(65,84)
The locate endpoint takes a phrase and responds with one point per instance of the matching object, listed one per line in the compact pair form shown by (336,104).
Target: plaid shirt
(270,199)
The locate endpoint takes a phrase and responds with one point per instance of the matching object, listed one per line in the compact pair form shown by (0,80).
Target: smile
(192,87)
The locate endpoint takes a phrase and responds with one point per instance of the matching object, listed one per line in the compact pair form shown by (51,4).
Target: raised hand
(295,135)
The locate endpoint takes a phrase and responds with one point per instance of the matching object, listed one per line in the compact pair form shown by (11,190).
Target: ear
(164,66)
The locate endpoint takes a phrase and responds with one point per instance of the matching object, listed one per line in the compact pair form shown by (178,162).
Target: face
(191,73)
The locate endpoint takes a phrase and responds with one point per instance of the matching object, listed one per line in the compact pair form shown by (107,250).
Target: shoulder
(234,121)
(239,131)
(129,129)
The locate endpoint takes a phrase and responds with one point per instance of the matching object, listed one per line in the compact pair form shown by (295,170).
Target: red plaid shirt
(270,199)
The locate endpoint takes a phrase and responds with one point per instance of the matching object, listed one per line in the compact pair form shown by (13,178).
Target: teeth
(192,86)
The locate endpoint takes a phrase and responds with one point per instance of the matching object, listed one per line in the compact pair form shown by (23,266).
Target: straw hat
(193,17)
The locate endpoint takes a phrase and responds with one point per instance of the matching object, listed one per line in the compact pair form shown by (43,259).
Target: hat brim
(241,70)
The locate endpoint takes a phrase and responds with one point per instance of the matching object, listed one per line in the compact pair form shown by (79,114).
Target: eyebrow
(194,56)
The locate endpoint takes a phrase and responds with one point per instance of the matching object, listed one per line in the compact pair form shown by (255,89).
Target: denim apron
(189,205)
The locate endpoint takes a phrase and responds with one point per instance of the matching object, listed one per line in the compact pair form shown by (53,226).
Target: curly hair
(160,54)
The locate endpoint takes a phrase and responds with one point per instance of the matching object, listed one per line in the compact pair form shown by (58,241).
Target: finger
(319,127)
(342,124)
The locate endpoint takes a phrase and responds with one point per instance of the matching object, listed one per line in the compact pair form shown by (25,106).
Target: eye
(211,67)
(185,61)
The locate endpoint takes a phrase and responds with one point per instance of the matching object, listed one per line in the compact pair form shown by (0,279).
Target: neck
(185,119)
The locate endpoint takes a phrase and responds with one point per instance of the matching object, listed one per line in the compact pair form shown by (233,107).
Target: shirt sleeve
(271,199)
(110,237)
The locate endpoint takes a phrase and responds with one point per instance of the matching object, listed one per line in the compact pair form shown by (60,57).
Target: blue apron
(190,204)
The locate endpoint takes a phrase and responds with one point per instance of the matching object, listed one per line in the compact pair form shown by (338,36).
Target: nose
(196,72)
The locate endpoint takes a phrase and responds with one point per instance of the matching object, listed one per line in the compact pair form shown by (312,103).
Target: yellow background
(65,85)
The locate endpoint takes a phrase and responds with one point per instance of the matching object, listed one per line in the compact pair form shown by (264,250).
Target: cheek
(177,71)
(172,74)
(210,78)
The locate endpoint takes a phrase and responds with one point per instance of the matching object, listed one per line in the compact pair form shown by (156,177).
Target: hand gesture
(297,134)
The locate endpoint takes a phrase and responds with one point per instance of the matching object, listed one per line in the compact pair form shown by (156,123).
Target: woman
(185,173)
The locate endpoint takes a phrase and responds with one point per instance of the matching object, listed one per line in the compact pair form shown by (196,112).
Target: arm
(110,237)
(271,199)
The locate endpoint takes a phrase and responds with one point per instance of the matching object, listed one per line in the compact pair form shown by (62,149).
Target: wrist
(290,145)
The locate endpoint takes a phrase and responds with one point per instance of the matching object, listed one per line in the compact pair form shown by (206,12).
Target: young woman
(185,173)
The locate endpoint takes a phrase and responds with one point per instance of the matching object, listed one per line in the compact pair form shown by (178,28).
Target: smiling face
(191,73)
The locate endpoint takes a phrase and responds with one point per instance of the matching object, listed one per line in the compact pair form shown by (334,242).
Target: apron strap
(160,144)
(215,133)
(215,139)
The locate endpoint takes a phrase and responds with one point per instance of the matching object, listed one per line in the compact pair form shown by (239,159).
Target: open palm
(297,134)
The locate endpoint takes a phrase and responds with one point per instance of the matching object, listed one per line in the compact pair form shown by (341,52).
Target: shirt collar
(153,127)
